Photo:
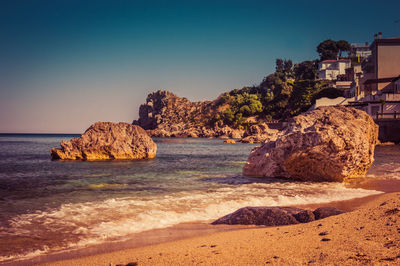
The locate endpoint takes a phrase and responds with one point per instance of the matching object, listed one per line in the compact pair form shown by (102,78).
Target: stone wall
(389,130)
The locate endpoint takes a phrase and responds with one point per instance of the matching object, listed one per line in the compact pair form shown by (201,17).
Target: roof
(393,41)
(360,45)
(334,61)
(382,80)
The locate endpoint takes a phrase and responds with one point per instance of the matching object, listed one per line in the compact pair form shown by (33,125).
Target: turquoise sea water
(48,206)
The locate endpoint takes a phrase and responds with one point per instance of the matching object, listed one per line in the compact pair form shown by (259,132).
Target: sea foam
(81,224)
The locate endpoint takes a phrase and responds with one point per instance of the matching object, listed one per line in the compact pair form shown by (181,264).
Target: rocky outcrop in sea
(107,141)
(330,143)
(166,115)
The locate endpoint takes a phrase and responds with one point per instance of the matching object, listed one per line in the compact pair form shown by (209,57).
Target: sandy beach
(368,235)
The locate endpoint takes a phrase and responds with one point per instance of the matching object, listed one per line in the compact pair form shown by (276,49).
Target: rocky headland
(166,115)
(107,141)
(327,144)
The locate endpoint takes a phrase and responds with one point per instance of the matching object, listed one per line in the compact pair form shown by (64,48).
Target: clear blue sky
(67,64)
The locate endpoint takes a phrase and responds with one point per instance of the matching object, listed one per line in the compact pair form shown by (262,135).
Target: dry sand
(368,235)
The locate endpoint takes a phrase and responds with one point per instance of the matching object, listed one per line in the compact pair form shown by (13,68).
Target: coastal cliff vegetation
(289,91)
(281,95)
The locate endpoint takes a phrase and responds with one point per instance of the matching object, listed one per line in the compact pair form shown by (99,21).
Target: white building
(330,69)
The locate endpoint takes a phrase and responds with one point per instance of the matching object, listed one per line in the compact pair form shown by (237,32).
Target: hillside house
(331,69)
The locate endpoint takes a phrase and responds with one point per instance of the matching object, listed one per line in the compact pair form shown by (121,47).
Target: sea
(54,206)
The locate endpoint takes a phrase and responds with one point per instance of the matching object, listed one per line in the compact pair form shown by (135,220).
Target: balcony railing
(384,96)
(380,116)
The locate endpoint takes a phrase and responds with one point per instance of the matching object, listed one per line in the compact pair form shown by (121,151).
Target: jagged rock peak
(164,107)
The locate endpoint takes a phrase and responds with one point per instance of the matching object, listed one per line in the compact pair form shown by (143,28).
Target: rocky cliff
(166,115)
(259,133)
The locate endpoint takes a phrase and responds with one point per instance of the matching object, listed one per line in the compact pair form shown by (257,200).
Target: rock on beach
(274,216)
(108,141)
(330,143)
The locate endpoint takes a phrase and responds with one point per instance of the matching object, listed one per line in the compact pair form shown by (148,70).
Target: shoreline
(186,231)
(365,235)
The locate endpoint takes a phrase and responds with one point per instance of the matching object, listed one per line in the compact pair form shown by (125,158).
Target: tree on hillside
(287,66)
(328,49)
(306,70)
(240,104)
(343,46)
(279,65)
(283,66)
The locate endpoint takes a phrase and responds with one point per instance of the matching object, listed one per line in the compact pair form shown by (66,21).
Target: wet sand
(200,243)
(368,235)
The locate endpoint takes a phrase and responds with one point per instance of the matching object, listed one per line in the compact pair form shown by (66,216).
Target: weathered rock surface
(330,143)
(166,115)
(259,133)
(274,216)
(324,212)
(270,216)
(229,141)
(305,216)
(108,141)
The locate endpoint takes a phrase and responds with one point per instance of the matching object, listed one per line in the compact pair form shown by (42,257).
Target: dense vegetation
(290,90)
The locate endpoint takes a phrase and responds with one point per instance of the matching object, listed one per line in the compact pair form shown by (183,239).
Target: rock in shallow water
(108,141)
(327,144)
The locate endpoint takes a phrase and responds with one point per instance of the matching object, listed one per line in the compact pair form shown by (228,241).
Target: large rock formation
(275,216)
(166,115)
(259,133)
(327,144)
(108,141)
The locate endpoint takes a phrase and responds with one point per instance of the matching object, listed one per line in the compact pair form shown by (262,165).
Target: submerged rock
(275,216)
(330,143)
(108,141)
